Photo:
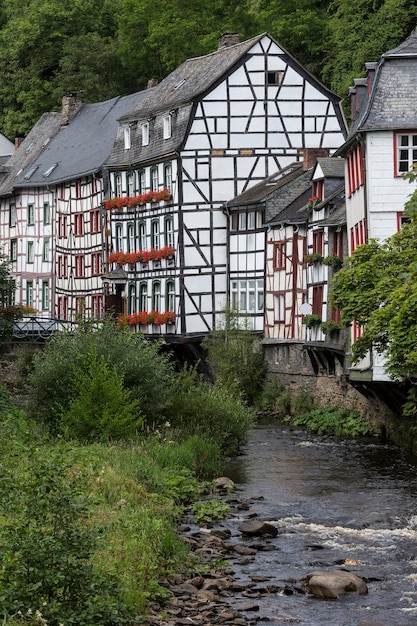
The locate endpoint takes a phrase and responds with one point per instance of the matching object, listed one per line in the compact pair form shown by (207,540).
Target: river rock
(257,528)
(224,483)
(334,583)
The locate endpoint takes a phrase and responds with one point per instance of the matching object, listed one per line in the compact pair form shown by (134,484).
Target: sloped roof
(190,79)
(393,103)
(331,167)
(281,194)
(71,151)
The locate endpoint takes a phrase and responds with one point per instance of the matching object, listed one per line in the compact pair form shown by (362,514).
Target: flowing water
(337,504)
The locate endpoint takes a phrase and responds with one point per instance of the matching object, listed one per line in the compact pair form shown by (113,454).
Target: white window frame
(167,123)
(126,137)
(145,133)
(406,154)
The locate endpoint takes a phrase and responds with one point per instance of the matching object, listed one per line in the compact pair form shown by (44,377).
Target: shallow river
(337,503)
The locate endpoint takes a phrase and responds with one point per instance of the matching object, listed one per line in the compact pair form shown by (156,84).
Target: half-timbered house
(381,147)
(51,215)
(208,132)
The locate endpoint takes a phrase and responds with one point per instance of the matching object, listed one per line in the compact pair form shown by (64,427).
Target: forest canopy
(104,48)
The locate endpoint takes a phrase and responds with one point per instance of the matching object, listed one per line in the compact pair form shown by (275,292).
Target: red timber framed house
(208,132)
(52,224)
(380,148)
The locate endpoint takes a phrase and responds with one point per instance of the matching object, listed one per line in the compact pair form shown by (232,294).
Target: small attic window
(274,78)
(180,84)
(29,148)
(126,135)
(167,126)
(49,171)
(145,133)
(30,172)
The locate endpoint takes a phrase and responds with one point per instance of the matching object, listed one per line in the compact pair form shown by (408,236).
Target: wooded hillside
(104,48)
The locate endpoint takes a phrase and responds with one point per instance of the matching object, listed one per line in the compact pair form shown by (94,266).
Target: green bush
(333,421)
(214,412)
(45,549)
(236,357)
(101,407)
(146,373)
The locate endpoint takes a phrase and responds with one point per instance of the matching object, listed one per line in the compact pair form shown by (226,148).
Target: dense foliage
(88,531)
(104,48)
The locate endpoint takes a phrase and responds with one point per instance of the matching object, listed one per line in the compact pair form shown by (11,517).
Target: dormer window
(145,133)
(126,135)
(318,189)
(167,126)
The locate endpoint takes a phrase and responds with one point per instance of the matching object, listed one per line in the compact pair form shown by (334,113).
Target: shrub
(214,412)
(147,374)
(236,357)
(268,400)
(333,421)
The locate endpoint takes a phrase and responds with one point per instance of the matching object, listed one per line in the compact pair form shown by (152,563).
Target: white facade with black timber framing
(209,131)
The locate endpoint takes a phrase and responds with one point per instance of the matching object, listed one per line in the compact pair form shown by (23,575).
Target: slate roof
(282,194)
(393,103)
(77,149)
(332,167)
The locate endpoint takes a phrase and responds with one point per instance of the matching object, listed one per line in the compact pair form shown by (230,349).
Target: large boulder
(256,528)
(334,583)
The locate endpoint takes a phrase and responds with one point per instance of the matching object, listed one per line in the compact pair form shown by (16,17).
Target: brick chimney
(370,74)
(71,103)
(17,142)
(310,156)
(228,39)
(152,82)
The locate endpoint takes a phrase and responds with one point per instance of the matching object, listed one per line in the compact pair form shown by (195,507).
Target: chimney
(17,142)
(361,85)
(370,74)
(310,156)
(71,103)
(152,82)
(228,39)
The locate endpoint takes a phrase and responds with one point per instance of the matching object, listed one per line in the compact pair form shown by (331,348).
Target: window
(169,231)
(62,226)
(406,152)
(95,221)
(338,244)
(80,307)
(355,170)
(318,189)
(78,189)
(78,224)
(317,303)
(96,264)
(156,296)
(62,307)
(154,179)
(279,308)
(46,248)
(247,295)
(167,126)
(142,235)
(29,256)
(29,293)
(242,221)
(13,249)
(12,215)
(46,213)
(168,176)
(143,297)
(79,266)
(96,306)
(31,214)
(318,242)
(119,237)
(130,183)
(274,78)
(155,239)
(279,255)
(251,220)
(142,181)
(126,136)
(131,299)
(118,185)
(45,294)
(131,240)
(357,235)
(62,266)
(234,222)
(170,296)
(145,133)
(402,219)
